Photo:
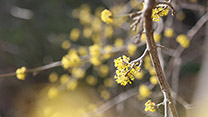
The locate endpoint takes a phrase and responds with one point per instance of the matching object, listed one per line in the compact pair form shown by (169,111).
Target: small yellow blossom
(95,50)
(64,78)
(144,92)
(78,72)
(70,60)
(105,94)
(183,40)
(108,82)
(152,71)
(21,73)
(139,75)
(119,42)
(82,51)
(95,61)
(95,54)
(87,32)
(123,66)
(153,80)
(107,16)
(74,34)
(107,51)
(103,70)
(66,44)
(150,106)
(53,77)
(91,80)
(157,37)
(108,31)
(168,32)
(96,25)
(131,49)
(157,13)
(71,85)
(52,93)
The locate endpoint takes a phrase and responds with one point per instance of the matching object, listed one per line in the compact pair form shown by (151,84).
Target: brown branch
(152,47)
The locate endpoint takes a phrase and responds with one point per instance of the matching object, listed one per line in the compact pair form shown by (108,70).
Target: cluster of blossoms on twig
(124,72)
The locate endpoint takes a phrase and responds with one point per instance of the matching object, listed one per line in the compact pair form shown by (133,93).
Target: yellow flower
(95,54)
(144,92)
(168,32)
(70,60)
(108,31)
(139,75)
(87,32)
(157,13)
(149,106)
(157,37)
(105,94)
(53,77)
(74,34)
(108,82)
(153,80)
(123,66)
(103,70)
(65,44)
(107,50)
(64,78)
(183,40)
(106,16)
(119,42)
(21,73)
(71,85)
(131,49)
(82,51)
(91,80)
(78,73)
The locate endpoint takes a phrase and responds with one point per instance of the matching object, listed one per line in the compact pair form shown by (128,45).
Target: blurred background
(35,33)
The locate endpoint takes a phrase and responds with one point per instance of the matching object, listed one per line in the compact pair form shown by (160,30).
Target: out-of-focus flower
(65,44)
(131,49)
(53,77)
(183,40)
(21,73)
(153,80)
(168,32)
(91,80)
(74,34)
(70,60)
(144,92)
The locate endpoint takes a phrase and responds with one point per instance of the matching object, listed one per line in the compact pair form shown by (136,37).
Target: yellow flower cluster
(106,16)
(144,92)
(21,73)
(183,40)
(94,54)
(149,106)
(131,49)
(169,32)
(159,12)
(70,60)
(123,66)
